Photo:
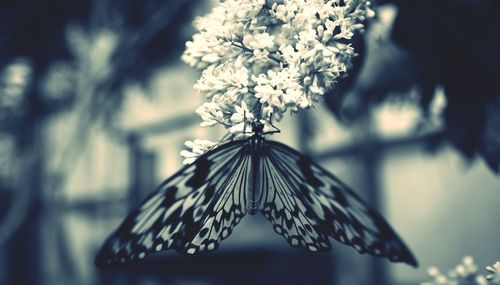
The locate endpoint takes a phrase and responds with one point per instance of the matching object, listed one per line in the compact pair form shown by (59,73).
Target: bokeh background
(95,106)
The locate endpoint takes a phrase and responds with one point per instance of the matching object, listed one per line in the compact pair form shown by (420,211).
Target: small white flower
(469,265)
(210,114)
(494,271)
(242,114)
(198,147)
(259,41)
(240,129)
(297,98)
(261,55)
(465,273)
(481,280)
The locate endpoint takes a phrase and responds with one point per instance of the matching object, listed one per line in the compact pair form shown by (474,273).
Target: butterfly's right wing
(306,204)
(191,212)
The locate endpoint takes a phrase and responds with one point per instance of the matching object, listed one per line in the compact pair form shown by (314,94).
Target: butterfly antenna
(225,137)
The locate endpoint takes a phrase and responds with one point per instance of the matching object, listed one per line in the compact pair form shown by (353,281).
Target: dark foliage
(459,44)
(454,44)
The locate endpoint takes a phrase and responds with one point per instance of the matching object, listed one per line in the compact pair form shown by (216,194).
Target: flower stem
(270,56)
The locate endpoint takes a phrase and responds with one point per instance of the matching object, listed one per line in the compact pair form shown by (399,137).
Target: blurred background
(95,106)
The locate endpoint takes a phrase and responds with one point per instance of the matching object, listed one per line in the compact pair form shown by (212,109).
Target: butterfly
(200,205)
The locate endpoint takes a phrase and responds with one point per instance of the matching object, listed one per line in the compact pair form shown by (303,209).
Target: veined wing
(192,211)
(328,206)
(283,205)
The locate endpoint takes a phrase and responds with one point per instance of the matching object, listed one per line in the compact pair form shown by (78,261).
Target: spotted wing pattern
(191,212)
(282,204)
(306,204)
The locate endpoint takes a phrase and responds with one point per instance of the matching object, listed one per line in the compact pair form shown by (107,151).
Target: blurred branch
(381,145)
(101,98)
(169,125)
(21,198)
(132,47)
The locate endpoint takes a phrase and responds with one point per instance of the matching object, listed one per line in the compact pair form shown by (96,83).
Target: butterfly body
(199,206)
(256,144)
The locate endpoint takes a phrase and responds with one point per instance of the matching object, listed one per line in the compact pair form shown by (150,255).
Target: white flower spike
(261,58)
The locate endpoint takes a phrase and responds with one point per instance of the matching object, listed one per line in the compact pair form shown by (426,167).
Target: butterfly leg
(276,130)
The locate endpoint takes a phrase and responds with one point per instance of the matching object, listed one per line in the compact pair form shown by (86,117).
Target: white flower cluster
(465,273)
(494,271)
(262,58)
(198,147)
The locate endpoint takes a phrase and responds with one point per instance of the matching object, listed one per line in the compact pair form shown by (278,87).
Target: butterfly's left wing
(192,211)
(320,205)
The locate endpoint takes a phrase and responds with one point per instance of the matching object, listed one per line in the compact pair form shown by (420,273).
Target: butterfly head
(257,127)
(260,129)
